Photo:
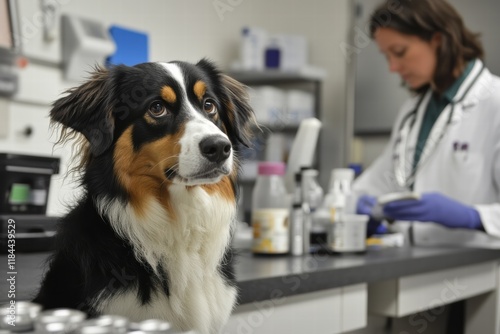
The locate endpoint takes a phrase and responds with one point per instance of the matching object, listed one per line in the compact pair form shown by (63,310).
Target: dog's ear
(87,109)
(240,113)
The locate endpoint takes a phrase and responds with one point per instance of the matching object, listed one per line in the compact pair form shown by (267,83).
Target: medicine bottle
(339,201)
(270,210)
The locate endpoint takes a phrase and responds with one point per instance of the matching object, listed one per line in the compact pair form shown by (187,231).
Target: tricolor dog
(150,237)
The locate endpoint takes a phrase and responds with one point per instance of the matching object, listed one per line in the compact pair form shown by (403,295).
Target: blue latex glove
(365,206)
(435,207)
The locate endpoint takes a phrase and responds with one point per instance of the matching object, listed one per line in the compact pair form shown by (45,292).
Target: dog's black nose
(215,148)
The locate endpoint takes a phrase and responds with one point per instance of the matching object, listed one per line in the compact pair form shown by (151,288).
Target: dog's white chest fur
(190,247)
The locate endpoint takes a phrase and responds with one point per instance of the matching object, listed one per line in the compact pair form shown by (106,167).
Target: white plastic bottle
(270,210)
(297,221)
(313,197)
(339,197)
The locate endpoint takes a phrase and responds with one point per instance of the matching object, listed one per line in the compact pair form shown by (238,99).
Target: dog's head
(169,122)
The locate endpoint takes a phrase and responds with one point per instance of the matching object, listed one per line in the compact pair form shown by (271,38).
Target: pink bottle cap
(271,168)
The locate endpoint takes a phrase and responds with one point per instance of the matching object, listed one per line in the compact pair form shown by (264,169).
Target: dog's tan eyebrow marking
(199,89)
(168,94)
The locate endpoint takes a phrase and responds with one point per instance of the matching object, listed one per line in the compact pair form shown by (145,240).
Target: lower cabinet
(411,294)
(327,311)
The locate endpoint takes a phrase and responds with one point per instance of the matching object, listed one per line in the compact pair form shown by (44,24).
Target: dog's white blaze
(176,73)
(190,248)
(191,161)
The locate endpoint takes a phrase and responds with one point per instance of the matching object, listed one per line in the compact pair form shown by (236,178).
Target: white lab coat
(471,176)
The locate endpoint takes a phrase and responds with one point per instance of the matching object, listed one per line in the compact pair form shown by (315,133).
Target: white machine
(85,43)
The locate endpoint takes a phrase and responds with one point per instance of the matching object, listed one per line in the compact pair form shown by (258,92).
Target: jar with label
(270,210)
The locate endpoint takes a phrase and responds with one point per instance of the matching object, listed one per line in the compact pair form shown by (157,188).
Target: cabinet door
(407,295)
(317,312)
(28,130)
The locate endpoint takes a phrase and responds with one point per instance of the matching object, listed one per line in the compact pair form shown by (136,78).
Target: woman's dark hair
(424,18)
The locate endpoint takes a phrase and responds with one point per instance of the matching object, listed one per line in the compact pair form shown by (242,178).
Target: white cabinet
(326,311)
(411,294)
(28,130)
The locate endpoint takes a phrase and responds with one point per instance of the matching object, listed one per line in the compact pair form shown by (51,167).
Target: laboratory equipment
(85,44)
(348,233)
(24,187)
(303,149)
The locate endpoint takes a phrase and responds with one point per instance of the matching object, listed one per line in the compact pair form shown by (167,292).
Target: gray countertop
(260,278)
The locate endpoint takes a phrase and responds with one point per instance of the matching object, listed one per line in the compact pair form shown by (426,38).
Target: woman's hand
(365,206)
(437,208)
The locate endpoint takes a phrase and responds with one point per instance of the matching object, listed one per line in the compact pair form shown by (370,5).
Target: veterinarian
(445,142)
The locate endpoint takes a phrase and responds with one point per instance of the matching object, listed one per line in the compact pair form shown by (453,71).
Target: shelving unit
(308,80)
(279,78)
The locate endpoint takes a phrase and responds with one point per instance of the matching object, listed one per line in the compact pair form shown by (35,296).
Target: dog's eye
(209,107)
(158,109)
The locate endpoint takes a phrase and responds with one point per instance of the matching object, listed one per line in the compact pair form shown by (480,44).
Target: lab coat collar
(468,92)
(451,91)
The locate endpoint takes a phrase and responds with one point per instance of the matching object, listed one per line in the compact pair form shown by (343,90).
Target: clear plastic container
(346,231)
(270,210)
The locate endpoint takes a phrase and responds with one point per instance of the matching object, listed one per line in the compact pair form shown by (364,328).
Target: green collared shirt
(436,105)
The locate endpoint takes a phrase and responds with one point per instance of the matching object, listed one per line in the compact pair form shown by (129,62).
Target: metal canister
(94,327)
(20,313)
(59,321)
(119,324)
(104,324)
(155,326)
